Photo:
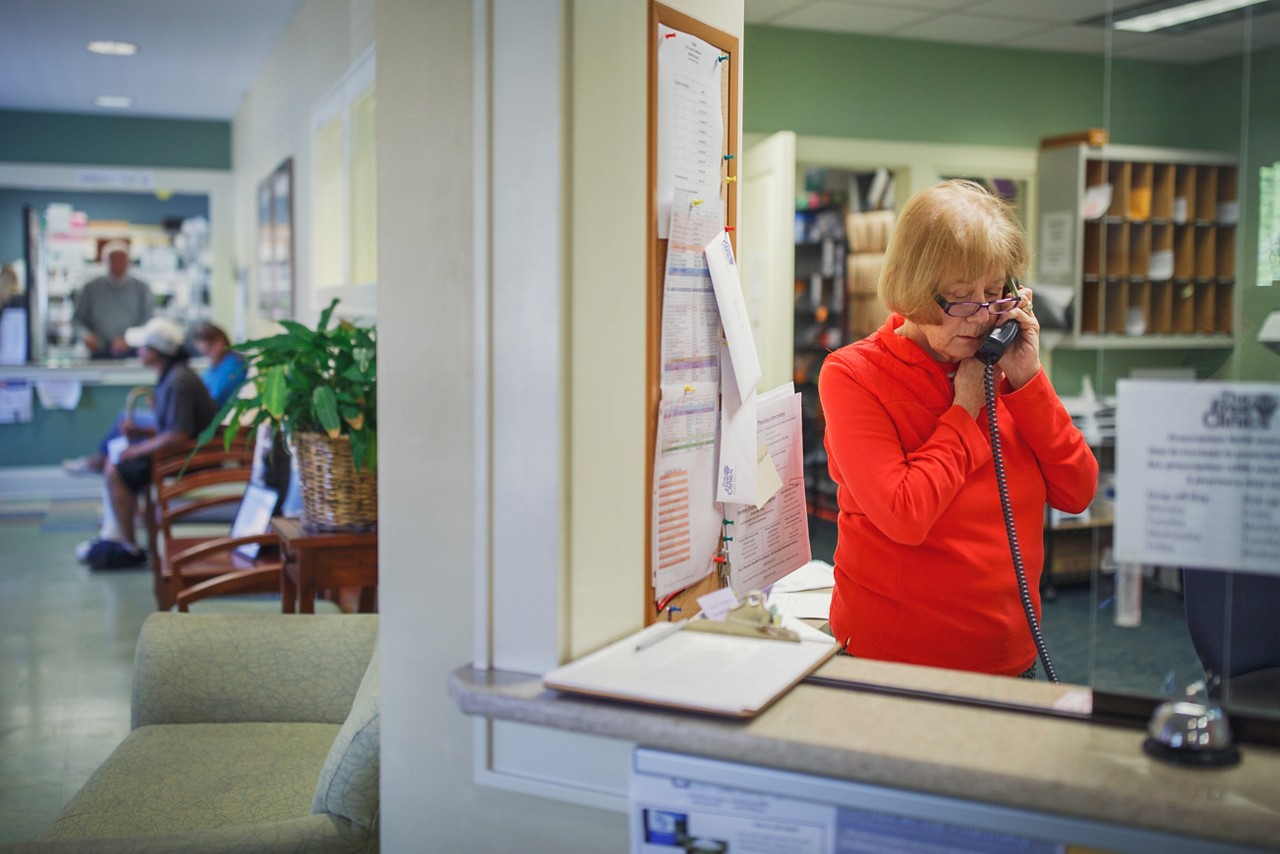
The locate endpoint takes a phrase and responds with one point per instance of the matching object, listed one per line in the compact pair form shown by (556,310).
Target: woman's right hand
(970,390)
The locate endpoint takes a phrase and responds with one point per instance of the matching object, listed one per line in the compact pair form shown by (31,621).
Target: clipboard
(736,670)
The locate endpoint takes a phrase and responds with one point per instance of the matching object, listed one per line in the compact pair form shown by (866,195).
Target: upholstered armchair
(250,733)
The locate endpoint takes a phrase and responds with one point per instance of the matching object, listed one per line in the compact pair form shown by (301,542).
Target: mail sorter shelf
(1150,253)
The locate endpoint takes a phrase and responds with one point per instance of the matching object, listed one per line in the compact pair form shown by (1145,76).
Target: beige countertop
(124,372)
(1015,759)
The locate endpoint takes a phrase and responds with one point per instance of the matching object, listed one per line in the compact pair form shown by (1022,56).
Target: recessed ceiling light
(116,102)
(1185,14)
(111,48)
(1180,16)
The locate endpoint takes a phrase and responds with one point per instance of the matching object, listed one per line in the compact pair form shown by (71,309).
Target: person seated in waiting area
(183,407)
(227,370)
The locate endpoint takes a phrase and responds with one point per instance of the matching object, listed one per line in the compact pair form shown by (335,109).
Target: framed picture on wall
(275,243)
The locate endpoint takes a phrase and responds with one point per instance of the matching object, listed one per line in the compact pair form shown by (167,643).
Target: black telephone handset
(999,338)
(998,341)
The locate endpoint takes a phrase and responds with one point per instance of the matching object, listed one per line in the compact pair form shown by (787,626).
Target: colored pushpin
(695,202)
(719,559)
(730,228)
(673,610)
(729,179)
(728,157)
(669,36)
(689,389)
(722,58)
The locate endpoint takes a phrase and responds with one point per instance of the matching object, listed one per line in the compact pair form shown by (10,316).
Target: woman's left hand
(1021,361)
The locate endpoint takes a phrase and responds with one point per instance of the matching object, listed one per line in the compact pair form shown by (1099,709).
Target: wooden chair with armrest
(188,561)
(264,577)
(213,507)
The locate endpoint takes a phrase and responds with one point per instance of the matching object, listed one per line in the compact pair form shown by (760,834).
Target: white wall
(447,230)
(429,434)
(324,39)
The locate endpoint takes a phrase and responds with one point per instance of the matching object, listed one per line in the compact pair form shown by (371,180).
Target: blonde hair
(956,231)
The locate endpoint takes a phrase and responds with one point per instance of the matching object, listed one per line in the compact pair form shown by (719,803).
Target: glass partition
(1185,588)
(1154,248)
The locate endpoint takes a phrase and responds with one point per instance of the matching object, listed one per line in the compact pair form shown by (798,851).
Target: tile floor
(66,657)
(67,638)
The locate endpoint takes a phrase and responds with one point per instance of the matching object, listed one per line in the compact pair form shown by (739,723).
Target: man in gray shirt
(110,304)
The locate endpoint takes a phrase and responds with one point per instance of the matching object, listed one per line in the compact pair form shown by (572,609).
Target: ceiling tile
(1262,29)
(850,18)
(920,5)
(1075,39)
(970,29)
(763,11)
(1058,11)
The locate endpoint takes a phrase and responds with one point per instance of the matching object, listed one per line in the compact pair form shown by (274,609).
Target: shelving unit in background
(820,306)
(1146,239)
(834,304)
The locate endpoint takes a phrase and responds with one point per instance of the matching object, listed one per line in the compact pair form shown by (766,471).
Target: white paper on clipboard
(720,674)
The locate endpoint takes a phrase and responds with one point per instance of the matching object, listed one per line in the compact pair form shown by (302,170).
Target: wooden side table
(320,560)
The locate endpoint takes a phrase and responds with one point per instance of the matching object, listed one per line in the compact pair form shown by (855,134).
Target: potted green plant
(320,387)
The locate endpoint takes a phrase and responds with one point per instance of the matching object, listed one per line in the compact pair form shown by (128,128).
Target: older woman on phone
(924,572)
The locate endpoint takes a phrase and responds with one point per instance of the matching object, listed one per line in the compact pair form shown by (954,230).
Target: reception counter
(81,400)
(98,390)
(1070,771)
(54,434)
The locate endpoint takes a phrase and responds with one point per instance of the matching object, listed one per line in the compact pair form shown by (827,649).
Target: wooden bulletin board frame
(660,15)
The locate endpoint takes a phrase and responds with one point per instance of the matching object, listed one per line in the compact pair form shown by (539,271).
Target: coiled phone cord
(989,386)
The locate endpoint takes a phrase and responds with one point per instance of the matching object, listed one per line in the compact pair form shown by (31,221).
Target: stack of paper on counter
(805,593)
(663,665)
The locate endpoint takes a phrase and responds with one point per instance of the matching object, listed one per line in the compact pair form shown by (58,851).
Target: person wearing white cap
(183,408)
(110,304)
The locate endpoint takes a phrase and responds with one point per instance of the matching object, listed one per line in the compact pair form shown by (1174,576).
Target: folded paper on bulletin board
(733,314)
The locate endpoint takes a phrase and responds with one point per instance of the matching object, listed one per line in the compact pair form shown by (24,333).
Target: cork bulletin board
(665,20)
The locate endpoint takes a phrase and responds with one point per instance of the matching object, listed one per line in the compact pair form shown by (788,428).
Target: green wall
(1254,360)
(109,140)
(862,87)
(829,84)
(54,435)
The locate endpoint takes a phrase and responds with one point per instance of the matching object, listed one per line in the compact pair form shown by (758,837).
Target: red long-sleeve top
(923,569)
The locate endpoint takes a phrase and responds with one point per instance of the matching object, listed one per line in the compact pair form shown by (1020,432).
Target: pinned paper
(690,129)
(737,474)
(15,402)
(767,480)
(59,394)
(733,314)
(716,604)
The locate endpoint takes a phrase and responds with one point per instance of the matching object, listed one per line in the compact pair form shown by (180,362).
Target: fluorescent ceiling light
(111,48)
(115,102)
(1173,16)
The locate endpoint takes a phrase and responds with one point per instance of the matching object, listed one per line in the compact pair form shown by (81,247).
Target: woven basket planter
(335,497)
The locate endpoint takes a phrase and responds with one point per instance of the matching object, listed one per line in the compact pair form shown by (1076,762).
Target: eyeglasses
(1004,305)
